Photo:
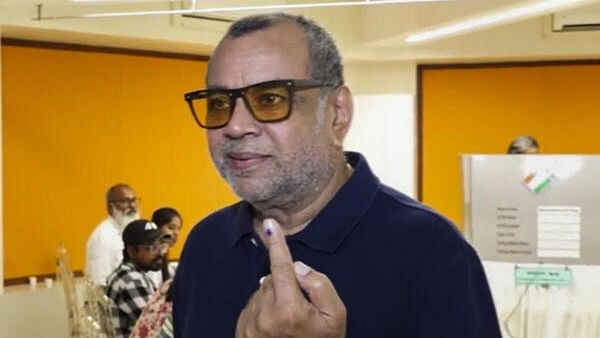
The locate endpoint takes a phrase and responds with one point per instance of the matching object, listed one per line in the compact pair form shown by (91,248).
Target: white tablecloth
(546,312)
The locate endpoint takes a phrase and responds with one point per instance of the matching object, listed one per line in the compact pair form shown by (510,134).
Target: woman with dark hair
(156,319)
(169,222)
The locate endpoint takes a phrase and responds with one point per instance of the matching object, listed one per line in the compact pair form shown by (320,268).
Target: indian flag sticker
(538,182)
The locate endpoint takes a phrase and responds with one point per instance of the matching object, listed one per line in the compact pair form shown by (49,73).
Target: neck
(295,218)
(138,266)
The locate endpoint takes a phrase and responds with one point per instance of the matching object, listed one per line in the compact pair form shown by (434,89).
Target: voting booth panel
(533,208)
(535,222)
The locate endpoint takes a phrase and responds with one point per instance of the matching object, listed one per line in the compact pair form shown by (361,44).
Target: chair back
(64,275)
(97,309)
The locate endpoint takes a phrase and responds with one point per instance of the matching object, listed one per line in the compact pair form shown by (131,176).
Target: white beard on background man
(124,217)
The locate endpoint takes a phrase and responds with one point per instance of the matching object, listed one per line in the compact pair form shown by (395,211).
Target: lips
(245,160)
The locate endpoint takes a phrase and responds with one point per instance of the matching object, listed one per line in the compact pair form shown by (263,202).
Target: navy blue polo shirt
(401,269)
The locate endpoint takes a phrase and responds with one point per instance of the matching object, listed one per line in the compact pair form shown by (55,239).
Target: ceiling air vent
(585,18)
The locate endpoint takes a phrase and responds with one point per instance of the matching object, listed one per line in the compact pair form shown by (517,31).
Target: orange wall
(481,109)
(76,122)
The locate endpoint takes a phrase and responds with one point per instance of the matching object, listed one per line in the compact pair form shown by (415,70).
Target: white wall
(384,124)
(383,130)
(382,77)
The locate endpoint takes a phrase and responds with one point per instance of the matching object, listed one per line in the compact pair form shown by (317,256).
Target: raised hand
(279,309)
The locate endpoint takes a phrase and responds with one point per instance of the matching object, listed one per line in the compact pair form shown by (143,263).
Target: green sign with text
(543,276)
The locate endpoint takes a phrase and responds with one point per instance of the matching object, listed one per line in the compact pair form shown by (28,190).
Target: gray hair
(110,193)
(324,57)
(521,144)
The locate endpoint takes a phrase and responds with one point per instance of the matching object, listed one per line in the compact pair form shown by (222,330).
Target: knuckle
(281,268)
(319,284)
(245,330)
(289,319)
(278,246)
(269,326)
(247,333)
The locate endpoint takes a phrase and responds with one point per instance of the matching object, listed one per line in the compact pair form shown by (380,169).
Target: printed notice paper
(559,231)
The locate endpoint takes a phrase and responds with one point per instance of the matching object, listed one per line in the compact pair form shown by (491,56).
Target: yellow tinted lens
(216,111)
(269,102)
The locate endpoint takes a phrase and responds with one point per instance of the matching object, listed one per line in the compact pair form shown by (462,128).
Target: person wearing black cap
(128,286)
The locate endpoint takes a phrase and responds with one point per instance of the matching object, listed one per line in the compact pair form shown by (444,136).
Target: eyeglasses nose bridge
(234,95)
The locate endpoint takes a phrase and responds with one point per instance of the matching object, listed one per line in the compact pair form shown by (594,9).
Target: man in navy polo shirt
(317,247)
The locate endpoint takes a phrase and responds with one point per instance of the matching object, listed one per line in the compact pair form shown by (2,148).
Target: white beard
(124,218)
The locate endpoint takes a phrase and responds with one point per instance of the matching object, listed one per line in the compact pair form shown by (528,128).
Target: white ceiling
(365,33)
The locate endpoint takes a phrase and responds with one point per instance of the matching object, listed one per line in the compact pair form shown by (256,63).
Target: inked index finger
(283,277)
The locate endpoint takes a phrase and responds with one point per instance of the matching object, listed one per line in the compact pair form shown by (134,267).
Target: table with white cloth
(539,311)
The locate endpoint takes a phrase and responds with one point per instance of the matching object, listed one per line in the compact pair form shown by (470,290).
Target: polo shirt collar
(242,226)
(327,231)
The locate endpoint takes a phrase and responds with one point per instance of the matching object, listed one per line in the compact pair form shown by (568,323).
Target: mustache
(243,146)
(130,211)
(158,260)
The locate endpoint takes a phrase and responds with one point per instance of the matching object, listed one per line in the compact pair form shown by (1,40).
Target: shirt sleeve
(98,263)
(155,320)
(104,253)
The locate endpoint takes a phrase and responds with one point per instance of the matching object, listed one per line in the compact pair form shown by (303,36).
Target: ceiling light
(502,16)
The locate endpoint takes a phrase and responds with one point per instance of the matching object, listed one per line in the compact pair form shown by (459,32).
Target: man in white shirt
(104,250)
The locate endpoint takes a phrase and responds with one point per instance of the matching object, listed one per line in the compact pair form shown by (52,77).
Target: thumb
(320,291)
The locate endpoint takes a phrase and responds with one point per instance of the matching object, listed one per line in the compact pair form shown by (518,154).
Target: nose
(174,237)
(132,207)
(242,123)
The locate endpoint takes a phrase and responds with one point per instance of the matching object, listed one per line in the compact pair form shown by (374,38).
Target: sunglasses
(269,101)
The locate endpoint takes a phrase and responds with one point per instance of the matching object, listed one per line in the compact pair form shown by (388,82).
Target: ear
(343,106)
(131,250)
